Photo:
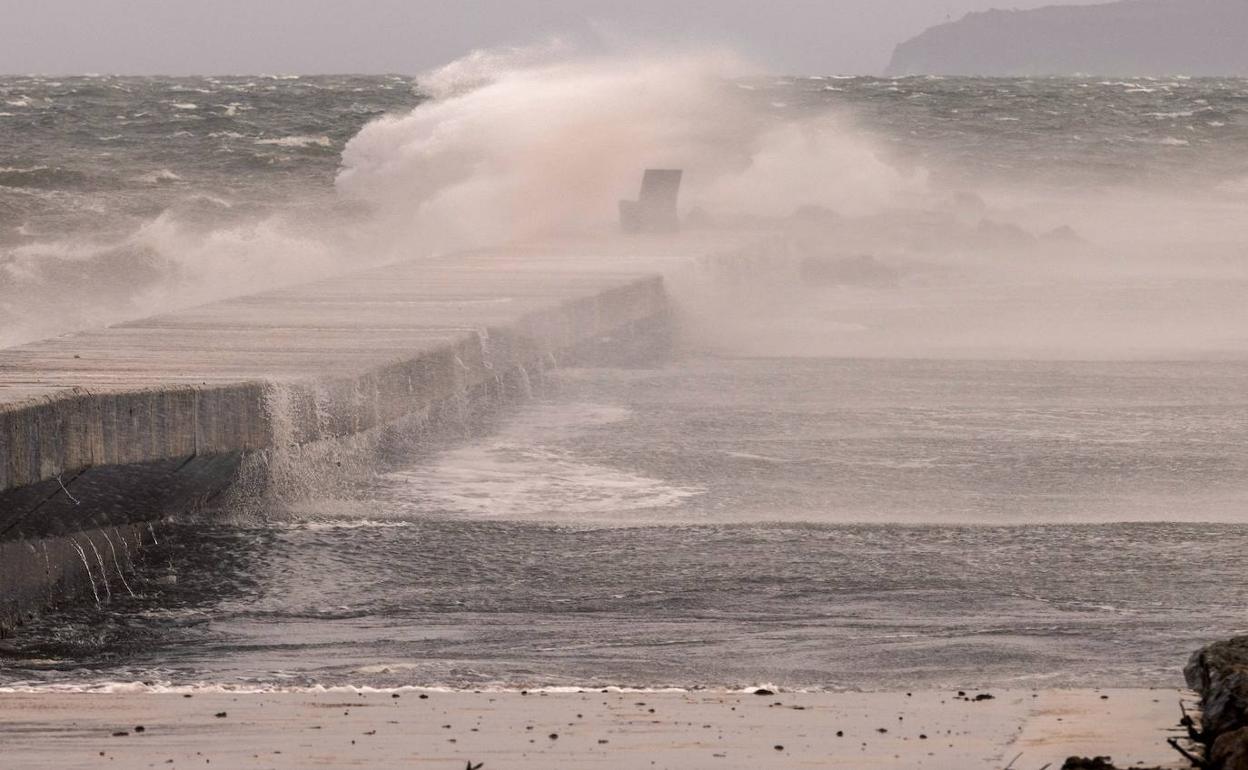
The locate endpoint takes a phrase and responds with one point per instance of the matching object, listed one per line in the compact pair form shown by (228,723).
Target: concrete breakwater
(104,431)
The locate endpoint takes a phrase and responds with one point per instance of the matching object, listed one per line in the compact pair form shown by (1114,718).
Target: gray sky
(408,36)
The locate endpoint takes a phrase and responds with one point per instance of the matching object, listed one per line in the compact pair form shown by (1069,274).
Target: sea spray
(522,147)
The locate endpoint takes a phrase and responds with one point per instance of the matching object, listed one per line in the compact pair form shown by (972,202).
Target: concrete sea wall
(104,431)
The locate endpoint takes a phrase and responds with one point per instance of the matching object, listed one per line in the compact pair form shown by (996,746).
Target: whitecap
(159,176)
(298,141)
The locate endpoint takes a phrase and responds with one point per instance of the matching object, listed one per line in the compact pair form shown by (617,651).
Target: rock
(1219,672)
(996,235)
(965,204)
(1063,234)
(1097,763)
(1230,751)
(1088,763)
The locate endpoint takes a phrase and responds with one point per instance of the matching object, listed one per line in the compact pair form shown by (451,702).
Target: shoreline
(617,729)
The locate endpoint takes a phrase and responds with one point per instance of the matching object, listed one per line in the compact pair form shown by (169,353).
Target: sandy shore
(509,730)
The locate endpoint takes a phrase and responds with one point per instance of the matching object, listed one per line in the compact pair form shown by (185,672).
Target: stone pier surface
(102,431)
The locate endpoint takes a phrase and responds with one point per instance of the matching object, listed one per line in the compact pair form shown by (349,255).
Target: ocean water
(122,196)
(716,522)
(810,516)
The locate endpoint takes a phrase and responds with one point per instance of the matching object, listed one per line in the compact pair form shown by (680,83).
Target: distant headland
(1130,37)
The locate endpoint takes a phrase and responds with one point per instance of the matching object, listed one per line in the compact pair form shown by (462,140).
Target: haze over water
(1000,453)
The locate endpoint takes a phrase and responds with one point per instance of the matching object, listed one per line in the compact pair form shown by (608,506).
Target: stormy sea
(955,429)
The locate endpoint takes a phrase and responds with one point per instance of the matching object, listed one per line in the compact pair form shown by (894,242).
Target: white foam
(510,151)
(298,141)
(526,471)
(159,176)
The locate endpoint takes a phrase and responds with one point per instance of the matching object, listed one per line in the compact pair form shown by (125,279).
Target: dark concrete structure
(654,211)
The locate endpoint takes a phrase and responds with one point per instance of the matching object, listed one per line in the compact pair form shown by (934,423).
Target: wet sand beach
(542,730)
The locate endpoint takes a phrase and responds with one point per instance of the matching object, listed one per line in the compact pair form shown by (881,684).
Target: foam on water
(527,471)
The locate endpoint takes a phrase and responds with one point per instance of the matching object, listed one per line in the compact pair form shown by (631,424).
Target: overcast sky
(410,36)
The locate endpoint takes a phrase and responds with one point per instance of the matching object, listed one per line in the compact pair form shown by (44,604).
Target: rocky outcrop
(1127,38)
(1219,672)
